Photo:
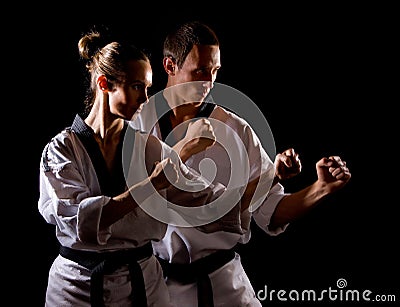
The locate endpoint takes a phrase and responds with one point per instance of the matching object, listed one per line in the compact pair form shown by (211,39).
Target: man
(200,264)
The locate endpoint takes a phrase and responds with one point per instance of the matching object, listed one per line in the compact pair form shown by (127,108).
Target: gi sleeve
(69,192)
(263,206)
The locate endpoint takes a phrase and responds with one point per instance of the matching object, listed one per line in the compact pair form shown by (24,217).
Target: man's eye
(137,87)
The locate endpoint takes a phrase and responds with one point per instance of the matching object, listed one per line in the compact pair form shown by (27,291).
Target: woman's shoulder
(60,148)
(63,138)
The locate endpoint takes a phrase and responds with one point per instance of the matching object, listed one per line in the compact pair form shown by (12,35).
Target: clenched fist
(199,136)
(287,164)
(164,174)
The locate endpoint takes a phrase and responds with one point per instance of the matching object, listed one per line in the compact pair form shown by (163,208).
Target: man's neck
(183,113)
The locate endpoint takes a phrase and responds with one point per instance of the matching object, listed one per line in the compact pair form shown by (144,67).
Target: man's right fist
(199,136)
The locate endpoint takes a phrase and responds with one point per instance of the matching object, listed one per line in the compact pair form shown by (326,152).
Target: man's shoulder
(226,115)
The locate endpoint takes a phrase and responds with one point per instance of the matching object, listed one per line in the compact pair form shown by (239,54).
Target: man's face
(198,73)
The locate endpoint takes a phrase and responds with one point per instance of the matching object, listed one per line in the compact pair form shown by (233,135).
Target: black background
(321,74)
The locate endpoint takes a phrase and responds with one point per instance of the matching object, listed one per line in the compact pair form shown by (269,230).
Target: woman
(106,258)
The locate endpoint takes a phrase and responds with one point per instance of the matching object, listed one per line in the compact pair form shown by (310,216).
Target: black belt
(101,263)
(197,272)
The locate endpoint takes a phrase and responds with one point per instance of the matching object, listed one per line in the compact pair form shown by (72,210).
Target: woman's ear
(102,83)
(169,65)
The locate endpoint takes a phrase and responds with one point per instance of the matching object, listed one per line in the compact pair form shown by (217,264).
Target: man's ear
(169,65)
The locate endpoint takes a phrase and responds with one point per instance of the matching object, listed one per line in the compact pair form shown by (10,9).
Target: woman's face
(126,99)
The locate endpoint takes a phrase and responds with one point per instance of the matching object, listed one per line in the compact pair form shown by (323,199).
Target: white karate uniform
(71,198)
(231,285)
